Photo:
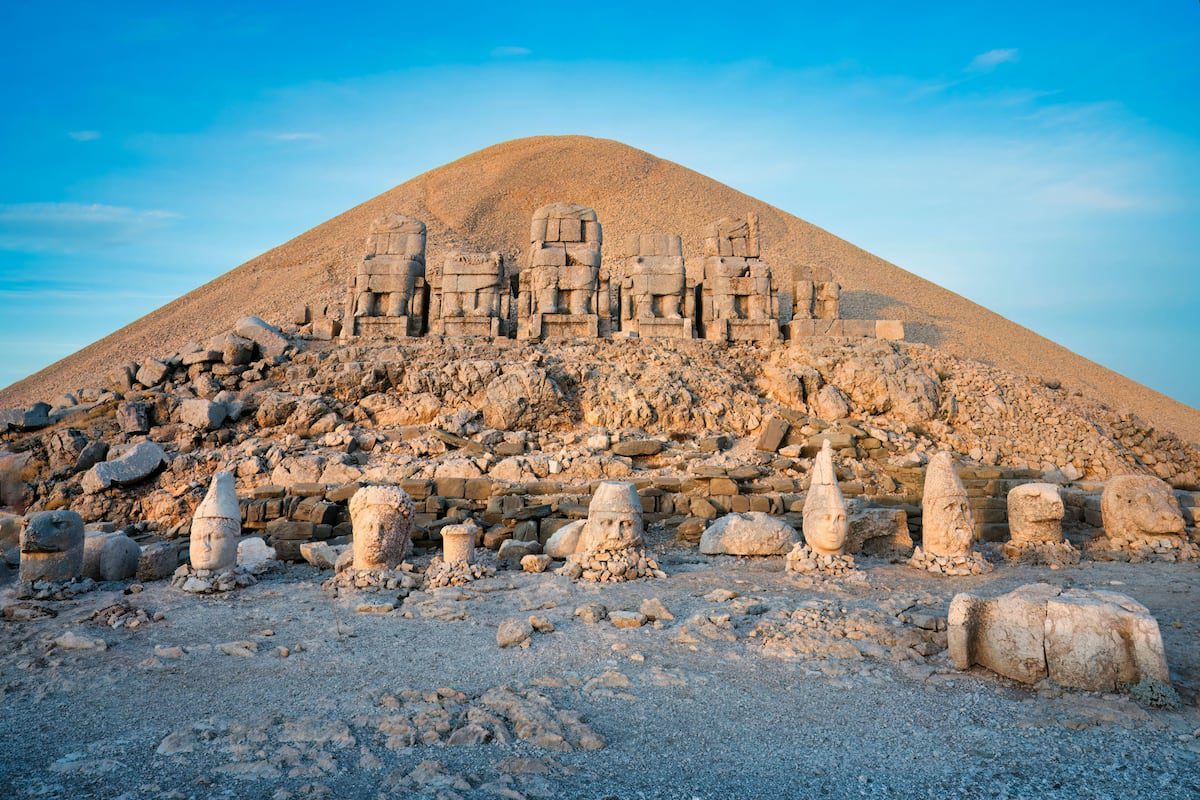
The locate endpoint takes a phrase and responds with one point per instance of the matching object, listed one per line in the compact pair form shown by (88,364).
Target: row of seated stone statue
(566,289)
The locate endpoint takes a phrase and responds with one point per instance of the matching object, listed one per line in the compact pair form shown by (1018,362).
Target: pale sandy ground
(724,721)
(484,201)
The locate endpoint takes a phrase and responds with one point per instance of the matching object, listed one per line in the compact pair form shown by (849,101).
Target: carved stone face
(1140,506)
(214,543)
(825,529)
(946,522)
(216,527)
(614,518)
(947,526)
(825,522)
(1035,513)
(382,517)
(52,546)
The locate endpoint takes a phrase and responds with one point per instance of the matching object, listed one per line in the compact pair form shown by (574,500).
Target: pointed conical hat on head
(221,501)
(823,490)
(941,478)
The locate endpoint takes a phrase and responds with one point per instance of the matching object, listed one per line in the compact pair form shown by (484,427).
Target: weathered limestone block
(388,295)
(133,416)
(1102,641)
(879,531)
(131,465)
(201,414)
(560,287)
(471,295)
(1094,640)
(458,542)
(740,301)
(816,294)
(382,517)
(565,541)
(110,557)
(52,546)
(25,419)
(1035,512)
(216,526)
(152,373)
(752,533)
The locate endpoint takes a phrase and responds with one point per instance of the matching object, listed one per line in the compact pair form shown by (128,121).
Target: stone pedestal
(656,328)
(470,326)
(800,329)
(395,327)
(540,327)
(742,330)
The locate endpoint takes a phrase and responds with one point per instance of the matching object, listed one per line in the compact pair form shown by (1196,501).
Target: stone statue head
(382,517)
(52,546)
(825,522)
(1139,506)
(946,522)
(1035,512)
(216,526)
(614,519)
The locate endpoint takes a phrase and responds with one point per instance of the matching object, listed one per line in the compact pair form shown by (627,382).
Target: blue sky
(1041,159)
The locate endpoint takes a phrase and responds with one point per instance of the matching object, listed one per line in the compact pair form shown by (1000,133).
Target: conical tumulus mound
(483,202)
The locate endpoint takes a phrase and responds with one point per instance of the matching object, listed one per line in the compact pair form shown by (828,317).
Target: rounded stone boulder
(752,533)
(110,557)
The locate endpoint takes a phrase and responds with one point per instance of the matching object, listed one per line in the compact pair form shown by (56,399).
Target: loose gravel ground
(713,719)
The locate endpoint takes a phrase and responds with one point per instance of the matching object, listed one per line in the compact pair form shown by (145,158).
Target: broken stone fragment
(52,546)
(513,632)
(753,533)
(1093,640)
(270,340)
(633,448)
(201,414)
(627,619)
(25,419)
(110,557)
(132,465)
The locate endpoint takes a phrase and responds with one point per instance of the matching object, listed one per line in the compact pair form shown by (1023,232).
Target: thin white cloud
(986,62)
(1078,195)
(294,136)
(75,227)
(84,136)
(510,51)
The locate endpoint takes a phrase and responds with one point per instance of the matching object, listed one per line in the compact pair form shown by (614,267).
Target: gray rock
(133,465)
(750,534)
(159,560)
(513,632)
(52,546)
(95,452)
(511,551)
(133,416)
(110,557)
(201,414)
(25,419)
(268,338)
(152,373)
(565,541)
